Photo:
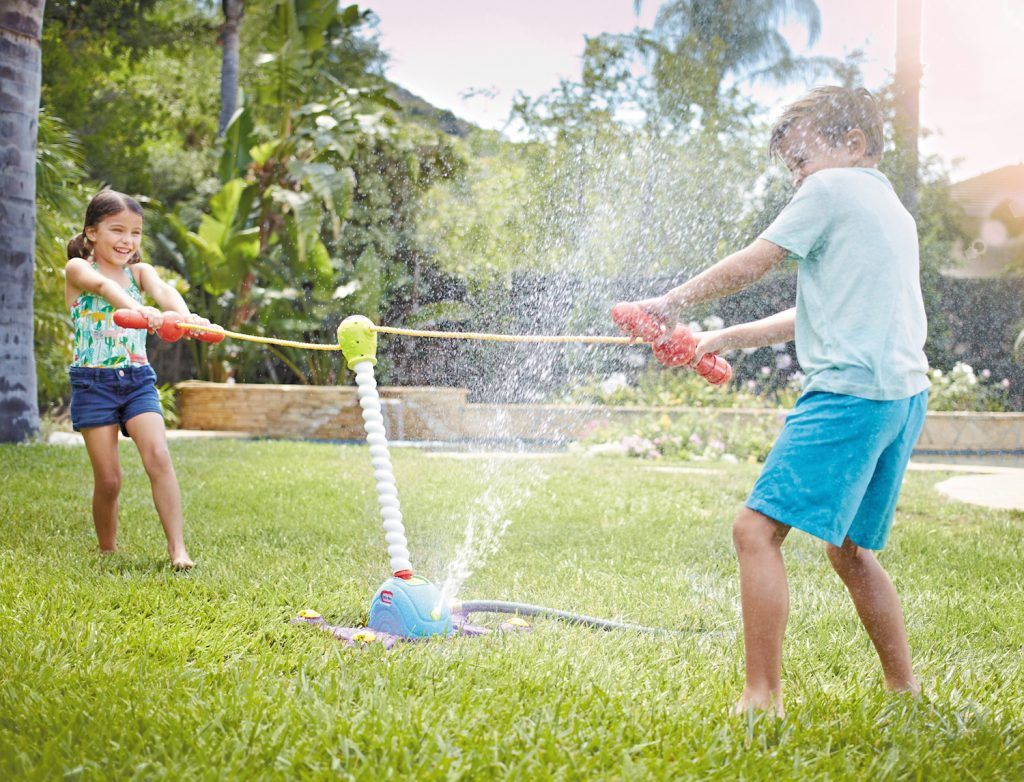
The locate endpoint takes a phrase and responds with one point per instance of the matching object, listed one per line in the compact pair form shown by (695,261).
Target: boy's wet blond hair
(833,112)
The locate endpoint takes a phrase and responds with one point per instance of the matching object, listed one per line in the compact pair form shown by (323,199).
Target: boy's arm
(776,328)
(733,273)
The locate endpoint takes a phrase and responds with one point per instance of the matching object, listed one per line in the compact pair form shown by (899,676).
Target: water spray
(407,605)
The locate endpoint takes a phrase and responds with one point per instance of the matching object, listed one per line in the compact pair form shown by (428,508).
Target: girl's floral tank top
(99,342)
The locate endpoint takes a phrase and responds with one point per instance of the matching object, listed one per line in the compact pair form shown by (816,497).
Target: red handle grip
(170,331)
(676,351)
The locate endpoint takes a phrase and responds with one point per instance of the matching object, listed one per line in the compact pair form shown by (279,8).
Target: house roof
(981,194)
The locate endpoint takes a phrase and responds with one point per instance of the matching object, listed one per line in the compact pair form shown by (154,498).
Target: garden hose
(525,609)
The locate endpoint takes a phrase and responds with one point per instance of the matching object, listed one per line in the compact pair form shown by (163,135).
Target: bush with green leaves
(963,390)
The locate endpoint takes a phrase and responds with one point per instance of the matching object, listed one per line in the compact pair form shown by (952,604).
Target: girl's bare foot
(180,559)
(767,702)
(911,688)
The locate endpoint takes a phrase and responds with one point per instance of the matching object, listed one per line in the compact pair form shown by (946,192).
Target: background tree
(21,23)
(907,92)
(696,46)
(229,40)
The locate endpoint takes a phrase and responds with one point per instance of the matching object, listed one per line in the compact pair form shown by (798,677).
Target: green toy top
(358,340)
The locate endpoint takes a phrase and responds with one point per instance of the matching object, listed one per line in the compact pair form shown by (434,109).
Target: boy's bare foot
(767,702)
(180,559)
(105,551)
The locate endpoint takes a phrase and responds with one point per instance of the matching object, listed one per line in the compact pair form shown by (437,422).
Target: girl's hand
(154,317)
(198,321)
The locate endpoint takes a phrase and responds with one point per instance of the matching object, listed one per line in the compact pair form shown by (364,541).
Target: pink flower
(1006,382)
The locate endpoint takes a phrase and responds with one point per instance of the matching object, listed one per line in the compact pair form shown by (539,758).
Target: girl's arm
(776,328)
(81,276)
(166,297)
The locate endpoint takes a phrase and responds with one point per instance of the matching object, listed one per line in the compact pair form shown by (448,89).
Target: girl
(112,384)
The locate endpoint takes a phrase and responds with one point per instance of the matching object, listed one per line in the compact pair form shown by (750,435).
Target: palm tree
(21,27)
(229,34)
(906,122)
(697,44)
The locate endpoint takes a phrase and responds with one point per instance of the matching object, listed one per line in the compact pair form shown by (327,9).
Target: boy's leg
(101,444)
(878,607)
(147,430)
(765,598)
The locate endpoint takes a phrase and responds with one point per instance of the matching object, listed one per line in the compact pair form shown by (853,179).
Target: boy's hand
(715,341)
(661,311)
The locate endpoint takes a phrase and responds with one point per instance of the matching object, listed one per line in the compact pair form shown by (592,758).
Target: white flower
(614,382)
(713,323)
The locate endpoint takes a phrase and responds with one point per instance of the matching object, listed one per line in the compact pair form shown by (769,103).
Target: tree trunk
(907,119)
(21,26)
(229,34)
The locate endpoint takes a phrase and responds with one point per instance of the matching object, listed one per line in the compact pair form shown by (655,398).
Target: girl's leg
(101,444)
(878,607)
(765,597)
(147,430)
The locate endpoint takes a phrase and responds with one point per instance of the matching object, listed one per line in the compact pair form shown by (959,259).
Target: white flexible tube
(387,491)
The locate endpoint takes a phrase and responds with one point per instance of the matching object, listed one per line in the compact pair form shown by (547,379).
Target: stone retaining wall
(434,413)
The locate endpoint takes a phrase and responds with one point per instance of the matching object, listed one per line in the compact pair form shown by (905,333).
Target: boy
(860,328)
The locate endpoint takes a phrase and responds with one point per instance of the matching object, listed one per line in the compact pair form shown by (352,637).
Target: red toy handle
(170,331)
(676,351)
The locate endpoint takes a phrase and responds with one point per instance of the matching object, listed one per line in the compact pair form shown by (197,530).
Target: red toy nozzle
(405,575)
(633,321)
(675,351)
(170,331)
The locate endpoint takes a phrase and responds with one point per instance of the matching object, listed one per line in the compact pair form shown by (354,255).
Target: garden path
(990,486)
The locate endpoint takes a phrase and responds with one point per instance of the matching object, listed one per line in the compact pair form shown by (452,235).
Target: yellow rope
(503,337)
(287,343)
(413,333)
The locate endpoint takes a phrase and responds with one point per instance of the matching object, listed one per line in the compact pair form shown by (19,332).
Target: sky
(473,56)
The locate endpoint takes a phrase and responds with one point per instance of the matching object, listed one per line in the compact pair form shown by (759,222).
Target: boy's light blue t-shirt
(860,321)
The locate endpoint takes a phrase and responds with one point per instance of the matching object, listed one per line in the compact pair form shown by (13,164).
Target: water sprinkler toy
(674,350)
(407,606)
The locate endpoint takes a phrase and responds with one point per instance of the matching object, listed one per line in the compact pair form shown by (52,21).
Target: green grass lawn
(115,667)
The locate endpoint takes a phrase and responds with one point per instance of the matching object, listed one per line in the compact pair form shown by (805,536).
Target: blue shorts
(835,471)
(101,396)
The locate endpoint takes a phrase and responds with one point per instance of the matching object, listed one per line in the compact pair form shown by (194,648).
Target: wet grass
(116,667)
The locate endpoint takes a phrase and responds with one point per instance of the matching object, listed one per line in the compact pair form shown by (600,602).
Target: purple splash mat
(363,636)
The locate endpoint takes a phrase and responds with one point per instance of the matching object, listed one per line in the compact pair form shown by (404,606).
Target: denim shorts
(836,470)
(101,396)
